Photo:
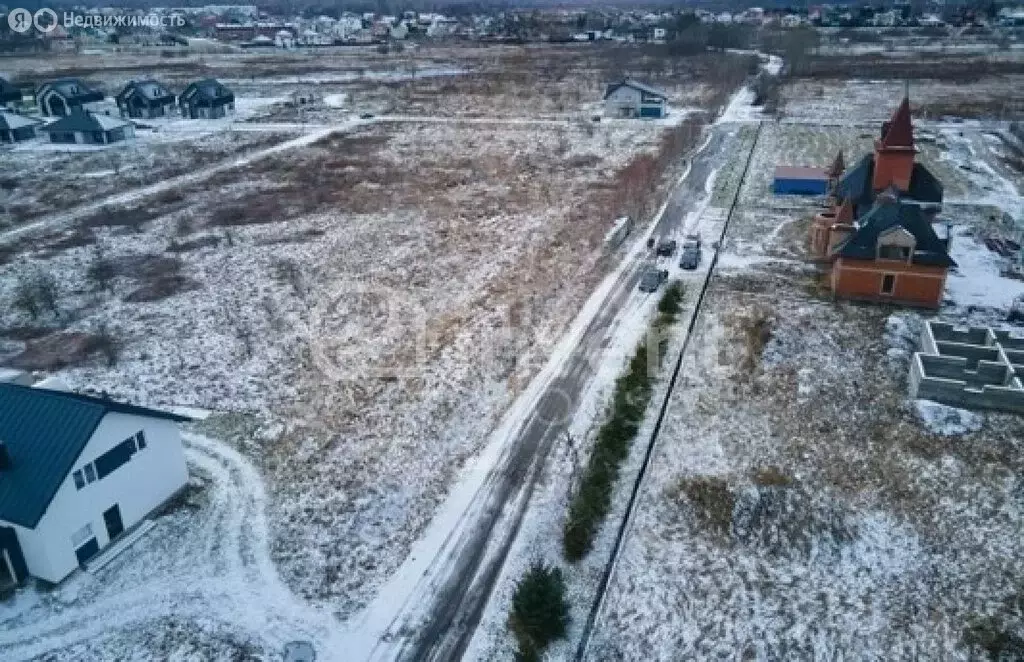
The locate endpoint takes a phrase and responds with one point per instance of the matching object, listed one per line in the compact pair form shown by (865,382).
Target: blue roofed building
(800,180)
(76,473)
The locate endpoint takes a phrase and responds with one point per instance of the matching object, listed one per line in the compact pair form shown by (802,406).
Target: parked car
(691,253)
(667,248)
(366,116)
(595,118)
(652,277)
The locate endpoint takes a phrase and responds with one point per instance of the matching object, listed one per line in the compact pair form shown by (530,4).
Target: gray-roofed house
(84,128)
(630,98)
(57,98)
(206,99)
(76,473)
(9,93)
(15,128)
(145,99)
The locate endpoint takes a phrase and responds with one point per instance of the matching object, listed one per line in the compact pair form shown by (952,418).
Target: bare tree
(101,272)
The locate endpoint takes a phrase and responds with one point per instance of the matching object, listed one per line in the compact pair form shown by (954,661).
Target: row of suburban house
(76,104)
(143,99)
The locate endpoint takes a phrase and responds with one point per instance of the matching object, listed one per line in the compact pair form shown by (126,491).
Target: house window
(90,473)
(115,458)
(901,253)
(79,481)
(888,284)
(81,536)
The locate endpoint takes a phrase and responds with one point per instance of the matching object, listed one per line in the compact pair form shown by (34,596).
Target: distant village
(249,27)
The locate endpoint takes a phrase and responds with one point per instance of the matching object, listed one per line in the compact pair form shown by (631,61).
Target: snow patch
(947,421)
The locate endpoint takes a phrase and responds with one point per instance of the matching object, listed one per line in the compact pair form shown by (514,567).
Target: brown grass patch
(57,351)
(712,501)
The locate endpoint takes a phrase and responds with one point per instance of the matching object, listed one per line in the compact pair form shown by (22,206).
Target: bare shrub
(106,344)
(36,294)
(288,271)
(101,272)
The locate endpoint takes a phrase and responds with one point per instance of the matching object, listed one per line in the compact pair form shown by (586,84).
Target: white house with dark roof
(15,128)
(84,128)
(76,473)
(57,98)
(145,99)
(630,98)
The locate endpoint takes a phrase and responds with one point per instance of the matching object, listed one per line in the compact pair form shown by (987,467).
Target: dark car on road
(652,277)
(667,248)
(691,253)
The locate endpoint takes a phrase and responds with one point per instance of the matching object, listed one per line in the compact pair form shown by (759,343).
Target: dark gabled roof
(629,82)
(9,92)
(150,90)
(72,89)
(855,184)
(45,431)
(84,121)
(207,90)
(889,215)
(924,186)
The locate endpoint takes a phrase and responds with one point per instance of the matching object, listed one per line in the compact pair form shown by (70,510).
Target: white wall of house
(152,476)
(628,101)
(623,102)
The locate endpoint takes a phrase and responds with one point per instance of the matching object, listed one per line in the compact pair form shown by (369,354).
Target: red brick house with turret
(876,235)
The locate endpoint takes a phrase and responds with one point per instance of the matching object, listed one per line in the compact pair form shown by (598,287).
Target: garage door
(650,111)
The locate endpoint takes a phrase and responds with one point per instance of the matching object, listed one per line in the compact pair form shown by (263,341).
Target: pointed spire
(900,131)
(845,212)
(838,166)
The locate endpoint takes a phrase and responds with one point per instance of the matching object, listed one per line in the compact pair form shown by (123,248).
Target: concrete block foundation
(973,368)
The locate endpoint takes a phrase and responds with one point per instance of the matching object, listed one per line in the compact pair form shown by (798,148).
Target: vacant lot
(799,506)
(360,309)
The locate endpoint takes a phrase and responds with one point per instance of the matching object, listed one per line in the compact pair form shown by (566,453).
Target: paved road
(471,569)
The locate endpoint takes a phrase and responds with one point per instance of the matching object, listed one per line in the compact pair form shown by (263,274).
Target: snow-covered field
(799,506)
(359,311)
